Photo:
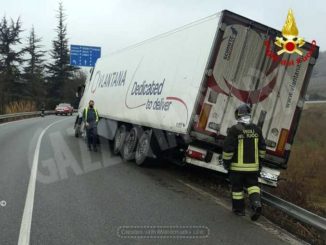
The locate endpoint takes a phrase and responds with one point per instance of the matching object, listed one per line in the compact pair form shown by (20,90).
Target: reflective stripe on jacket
(243,147)
(86,114)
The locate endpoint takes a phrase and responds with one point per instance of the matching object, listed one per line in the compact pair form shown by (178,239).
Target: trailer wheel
(129,146)
(119,139)
(143,149)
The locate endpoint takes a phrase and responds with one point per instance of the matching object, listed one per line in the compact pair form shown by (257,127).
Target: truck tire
(119,139)
(143,149)
(129,146)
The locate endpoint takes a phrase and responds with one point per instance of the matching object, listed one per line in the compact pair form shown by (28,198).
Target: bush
(20,106)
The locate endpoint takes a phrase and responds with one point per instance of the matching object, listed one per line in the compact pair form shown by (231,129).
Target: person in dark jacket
(244,147)
(90,118)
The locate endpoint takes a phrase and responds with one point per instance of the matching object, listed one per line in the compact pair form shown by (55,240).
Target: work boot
(89,148)
(239,212)
(256,208)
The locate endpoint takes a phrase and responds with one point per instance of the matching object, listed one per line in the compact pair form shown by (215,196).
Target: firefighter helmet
(242,111)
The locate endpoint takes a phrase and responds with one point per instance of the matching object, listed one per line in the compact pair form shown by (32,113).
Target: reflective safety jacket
(243,147)
(90,115)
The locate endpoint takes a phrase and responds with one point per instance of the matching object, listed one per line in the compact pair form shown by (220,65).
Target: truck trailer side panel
(155,83)
(189,81)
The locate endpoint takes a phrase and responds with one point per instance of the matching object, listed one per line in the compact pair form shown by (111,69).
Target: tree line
(26,76)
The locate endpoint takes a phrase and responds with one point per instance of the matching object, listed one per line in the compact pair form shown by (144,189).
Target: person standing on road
(244,147)
(90,117)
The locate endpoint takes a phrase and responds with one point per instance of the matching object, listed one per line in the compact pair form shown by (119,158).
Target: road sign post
(84,55)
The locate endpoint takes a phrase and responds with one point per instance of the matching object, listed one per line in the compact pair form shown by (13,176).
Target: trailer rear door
(242,72)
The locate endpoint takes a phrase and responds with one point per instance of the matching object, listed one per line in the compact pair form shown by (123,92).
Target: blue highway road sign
(84,55)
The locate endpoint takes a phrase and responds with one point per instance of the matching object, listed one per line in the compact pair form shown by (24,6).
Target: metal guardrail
(295,211)
(24,114)
(315,101)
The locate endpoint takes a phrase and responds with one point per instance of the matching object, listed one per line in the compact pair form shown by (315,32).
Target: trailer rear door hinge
(300,103)
(312,61)
(222,26)
(209,72)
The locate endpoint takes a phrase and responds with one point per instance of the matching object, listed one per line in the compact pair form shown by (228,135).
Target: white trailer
(175,94)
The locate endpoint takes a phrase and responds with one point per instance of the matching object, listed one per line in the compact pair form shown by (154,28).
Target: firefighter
(90,117)
(243,149)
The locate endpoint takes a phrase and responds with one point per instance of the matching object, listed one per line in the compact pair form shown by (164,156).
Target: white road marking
(217,200)
(264,224)
(25,227)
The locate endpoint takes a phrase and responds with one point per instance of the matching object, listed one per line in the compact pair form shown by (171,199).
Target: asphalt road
(82,197)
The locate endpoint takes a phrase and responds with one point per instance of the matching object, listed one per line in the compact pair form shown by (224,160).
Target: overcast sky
(115,24)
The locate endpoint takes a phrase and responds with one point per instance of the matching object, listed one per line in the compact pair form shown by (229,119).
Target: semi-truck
(174,95)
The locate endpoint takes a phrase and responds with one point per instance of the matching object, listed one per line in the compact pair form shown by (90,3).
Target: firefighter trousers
(239,181)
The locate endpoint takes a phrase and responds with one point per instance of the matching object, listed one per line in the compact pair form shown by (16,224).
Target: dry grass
(305,180)
(302,231)
(20,106)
